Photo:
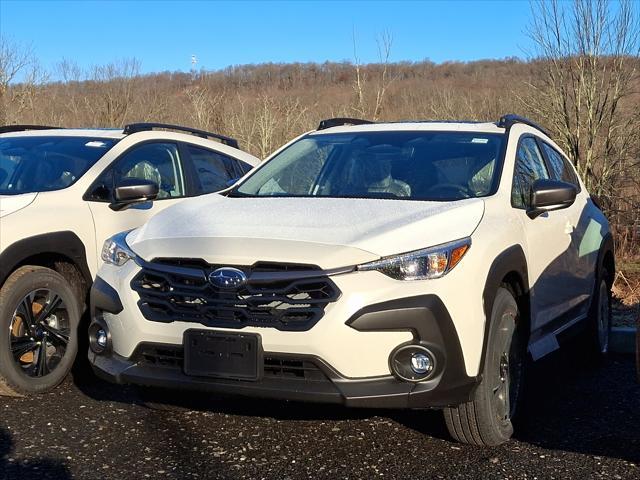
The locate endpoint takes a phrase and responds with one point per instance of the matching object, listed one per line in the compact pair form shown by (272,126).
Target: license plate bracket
(225,355)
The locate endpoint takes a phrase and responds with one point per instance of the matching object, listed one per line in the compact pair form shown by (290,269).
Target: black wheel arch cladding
(606,254)
(510,261)
(63,243)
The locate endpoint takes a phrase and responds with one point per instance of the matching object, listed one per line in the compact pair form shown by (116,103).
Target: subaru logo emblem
(227,278)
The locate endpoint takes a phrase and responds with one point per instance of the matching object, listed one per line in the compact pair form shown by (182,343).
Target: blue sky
(164,34)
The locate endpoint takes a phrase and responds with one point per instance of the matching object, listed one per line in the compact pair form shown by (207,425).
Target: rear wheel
(39,317)
(596,338)
(487,419)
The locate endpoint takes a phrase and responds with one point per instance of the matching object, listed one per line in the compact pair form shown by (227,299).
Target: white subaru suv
(393,265)
(62,193)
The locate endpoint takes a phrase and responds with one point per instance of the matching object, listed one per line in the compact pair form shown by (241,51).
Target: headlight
(116,251)
(423,264)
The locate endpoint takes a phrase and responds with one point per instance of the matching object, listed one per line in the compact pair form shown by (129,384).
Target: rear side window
(529,167)
(560,167)
(213,170)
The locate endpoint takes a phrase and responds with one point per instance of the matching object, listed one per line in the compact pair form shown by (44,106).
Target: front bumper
(308,377)
(381,392)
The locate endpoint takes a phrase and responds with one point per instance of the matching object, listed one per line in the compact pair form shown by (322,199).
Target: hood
(329,232)
(13,203)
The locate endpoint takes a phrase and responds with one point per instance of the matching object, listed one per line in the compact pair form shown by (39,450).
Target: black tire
(39,316)
(595,341)
(487,419)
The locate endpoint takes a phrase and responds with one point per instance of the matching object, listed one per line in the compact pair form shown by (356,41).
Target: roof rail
(22,128)
(337,122)
(510,119)
(145,127)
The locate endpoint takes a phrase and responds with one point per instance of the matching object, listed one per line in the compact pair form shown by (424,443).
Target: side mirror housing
(133,190)
(548,195)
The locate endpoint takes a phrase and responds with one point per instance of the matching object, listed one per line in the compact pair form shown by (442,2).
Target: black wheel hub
(39,332)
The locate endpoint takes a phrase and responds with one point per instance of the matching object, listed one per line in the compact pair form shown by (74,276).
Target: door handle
(569,228)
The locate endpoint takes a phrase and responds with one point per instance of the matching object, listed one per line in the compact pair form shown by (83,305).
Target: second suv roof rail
(337,122)
(146,126)
(508,120)
(22,128)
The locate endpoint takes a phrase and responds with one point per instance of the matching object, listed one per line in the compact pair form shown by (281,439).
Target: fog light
(421,363)
(101,338)
(412,363)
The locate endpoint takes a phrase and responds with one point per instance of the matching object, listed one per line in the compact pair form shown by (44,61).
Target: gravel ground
(578,422)
(625,315)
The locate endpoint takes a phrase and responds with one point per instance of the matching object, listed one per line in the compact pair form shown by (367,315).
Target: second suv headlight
(116,251)
(433,262)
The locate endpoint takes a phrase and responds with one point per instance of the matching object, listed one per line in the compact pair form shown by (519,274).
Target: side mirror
(547,195)
(133,190)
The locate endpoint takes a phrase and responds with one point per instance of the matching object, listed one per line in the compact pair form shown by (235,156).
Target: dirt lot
(578,423)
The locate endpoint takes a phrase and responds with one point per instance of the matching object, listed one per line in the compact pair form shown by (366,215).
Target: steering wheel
(460,189)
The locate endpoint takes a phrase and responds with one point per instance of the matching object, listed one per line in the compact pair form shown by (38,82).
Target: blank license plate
(222,355)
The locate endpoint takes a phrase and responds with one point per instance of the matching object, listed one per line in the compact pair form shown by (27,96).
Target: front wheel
(39,316)
(487,419)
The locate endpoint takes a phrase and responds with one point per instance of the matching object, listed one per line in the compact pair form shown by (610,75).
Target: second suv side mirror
(547,195)
(133,190)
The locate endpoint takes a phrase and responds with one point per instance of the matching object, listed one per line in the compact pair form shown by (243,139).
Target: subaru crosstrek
(63,191)
(393,265)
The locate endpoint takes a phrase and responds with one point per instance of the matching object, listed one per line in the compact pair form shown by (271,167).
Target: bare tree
(113,96)
(206,107)
(588,92)
(589,54)
(363,107)
(14,60)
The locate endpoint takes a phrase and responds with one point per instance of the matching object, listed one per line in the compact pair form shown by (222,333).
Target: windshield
(41,163)
(411,165)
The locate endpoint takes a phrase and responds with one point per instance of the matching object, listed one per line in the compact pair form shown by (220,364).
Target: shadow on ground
(27,469)
(568,405)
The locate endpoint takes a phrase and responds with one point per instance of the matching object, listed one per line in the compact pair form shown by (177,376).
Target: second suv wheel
(39,317)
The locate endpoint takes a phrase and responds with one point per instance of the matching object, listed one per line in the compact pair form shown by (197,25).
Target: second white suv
(394,265)
(62,193)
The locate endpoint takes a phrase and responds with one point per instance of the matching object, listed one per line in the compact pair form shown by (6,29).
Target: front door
(551,262)
(156,161)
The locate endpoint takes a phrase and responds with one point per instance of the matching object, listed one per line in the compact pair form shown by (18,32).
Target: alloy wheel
(39,332)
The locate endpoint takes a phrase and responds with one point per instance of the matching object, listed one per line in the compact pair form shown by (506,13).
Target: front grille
(281,296)
(275,367)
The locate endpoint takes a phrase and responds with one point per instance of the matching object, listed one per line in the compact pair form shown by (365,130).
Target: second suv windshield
(411,165)
(43,163)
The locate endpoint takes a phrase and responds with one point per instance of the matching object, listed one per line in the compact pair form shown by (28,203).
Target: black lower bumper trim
(378,392)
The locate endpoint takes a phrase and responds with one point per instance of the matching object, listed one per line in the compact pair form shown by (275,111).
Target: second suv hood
(329,232)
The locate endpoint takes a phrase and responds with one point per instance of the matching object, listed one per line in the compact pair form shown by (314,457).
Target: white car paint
(364,224)
(12,203)
(31,214)
(339,232)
